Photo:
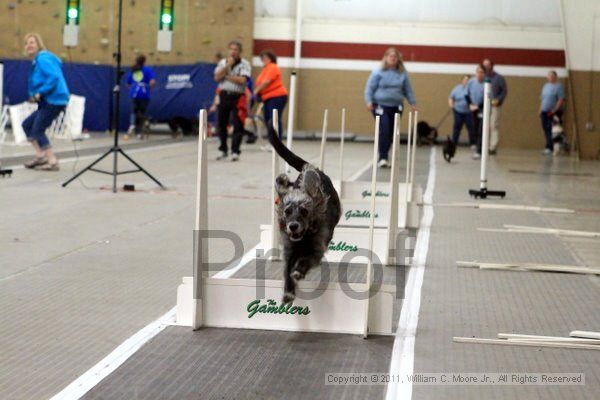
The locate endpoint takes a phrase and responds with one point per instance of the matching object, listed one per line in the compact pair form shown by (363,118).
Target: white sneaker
(383,163)
(476,156)
(235,157)
(547,152)
(222,156)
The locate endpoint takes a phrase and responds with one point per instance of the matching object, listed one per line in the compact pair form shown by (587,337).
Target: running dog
(308,211)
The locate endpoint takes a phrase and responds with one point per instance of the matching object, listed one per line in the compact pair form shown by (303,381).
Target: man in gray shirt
(232,74)
(499,92)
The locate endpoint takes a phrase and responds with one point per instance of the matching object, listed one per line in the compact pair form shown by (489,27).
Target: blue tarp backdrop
(180,91)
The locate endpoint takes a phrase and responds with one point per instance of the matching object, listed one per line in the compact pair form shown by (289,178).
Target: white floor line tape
(403,353)
(361,171)
(118,356)
(228,272)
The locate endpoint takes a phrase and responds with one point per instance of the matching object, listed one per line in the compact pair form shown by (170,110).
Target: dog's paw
(288,297)
(297,275)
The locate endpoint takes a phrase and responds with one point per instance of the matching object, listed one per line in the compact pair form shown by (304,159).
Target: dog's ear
(282,185)
(311,183)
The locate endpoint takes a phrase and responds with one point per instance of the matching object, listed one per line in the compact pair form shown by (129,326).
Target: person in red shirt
(270,89)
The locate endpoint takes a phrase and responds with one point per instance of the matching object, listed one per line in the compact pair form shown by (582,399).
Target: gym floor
(83,269)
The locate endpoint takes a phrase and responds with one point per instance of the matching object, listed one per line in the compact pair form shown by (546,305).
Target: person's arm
(370,88)
(222,69)
(262,85)
(561,99)
(51,72)
(503,90)
(408,92)
(451,99)
(151,78)
(242,78)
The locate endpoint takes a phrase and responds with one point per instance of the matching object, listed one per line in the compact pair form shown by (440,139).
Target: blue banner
(180,91)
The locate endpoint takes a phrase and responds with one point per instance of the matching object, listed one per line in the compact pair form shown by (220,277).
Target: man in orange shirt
(270,89)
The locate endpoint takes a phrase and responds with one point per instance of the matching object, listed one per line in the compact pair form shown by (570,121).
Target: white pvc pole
(371,228)
(274,195)
(342,138)
(413,155)
(487,92)
(408,144)
(200,224)
(1,86)
(394,180)
(298,38)
(291,111)
(323,141)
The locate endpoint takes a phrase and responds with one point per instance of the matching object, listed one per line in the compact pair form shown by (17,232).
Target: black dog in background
(308,211)
(449,149)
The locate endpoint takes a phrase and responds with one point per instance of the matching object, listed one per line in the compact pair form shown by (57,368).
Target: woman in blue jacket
(384,94)
(48,88)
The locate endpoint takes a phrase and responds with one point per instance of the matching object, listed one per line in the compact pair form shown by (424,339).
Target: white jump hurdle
(68,125)
(351,236)
(204,301)
(351,191)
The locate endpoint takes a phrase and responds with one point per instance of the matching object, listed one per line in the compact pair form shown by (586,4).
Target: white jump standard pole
(290,121)
(342,138)
(394,181)
(200,226)
(275,239)
(483,192)
(369,279)
(323,141)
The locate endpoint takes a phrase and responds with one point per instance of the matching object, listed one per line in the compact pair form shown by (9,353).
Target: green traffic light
(166,19)
(72,13)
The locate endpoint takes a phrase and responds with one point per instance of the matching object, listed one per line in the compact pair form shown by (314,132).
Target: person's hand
(473,107)
(550,114)
(212,108)
(370,106)
(414,107)
(230,61)
(494,102)
(35,98)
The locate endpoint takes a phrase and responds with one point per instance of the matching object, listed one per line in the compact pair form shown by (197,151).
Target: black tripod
(115,150)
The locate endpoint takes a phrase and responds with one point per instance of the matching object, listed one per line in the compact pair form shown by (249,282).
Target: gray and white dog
(308,211)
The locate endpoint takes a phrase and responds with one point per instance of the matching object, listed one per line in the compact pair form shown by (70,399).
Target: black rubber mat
(244,364)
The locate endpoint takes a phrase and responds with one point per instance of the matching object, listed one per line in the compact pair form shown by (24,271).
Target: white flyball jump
(352,192)
(222,300)
(352,233)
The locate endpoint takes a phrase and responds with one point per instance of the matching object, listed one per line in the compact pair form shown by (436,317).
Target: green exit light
(166,14)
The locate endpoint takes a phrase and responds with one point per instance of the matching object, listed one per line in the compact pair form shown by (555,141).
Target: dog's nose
(294,226)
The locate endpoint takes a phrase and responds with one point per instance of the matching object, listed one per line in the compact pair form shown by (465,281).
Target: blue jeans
(461,119)
(275,103)
(386,127)
(547,126)
(36,124)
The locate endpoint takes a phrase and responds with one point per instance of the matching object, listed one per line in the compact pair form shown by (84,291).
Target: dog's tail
(292,159)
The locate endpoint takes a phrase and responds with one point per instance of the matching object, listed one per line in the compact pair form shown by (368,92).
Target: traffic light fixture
(165,25)
(71,30)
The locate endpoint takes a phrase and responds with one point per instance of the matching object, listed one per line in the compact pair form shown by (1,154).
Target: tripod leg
(115,173)
(141,168)
(88,167)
